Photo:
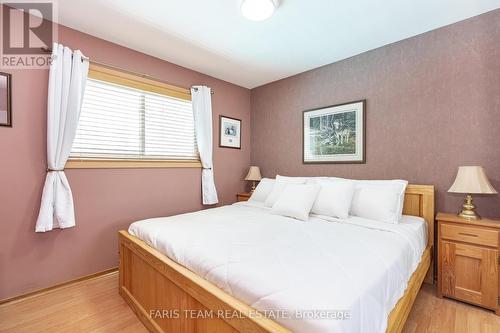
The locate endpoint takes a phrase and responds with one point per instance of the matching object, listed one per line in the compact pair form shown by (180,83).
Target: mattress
(323,275)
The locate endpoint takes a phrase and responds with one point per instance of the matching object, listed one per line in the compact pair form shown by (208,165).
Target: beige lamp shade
(472,180)
(253,174)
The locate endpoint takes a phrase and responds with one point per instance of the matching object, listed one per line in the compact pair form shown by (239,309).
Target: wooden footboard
(169,298)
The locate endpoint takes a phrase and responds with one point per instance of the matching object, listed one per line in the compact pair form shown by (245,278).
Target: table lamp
(254,176)
(471,180)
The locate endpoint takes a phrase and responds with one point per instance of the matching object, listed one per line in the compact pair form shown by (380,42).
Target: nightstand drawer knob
(466,234)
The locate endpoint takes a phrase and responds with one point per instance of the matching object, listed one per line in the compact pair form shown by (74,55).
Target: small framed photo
(335,134)
(5,100)
(230,132)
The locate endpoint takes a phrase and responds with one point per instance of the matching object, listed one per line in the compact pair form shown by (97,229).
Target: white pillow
(334,198)
(262,190)
(296,200)
(292,180)
(380,200)
(279,186)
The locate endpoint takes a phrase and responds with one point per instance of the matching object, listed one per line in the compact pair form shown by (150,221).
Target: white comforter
(296,268)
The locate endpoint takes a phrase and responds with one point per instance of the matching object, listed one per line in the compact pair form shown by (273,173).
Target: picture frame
(335,134)
(229,132)
(5,99)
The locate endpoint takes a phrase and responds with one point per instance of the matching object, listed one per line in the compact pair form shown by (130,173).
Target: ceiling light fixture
(258,10)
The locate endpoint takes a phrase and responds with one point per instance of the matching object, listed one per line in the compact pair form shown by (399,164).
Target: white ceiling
(211,36)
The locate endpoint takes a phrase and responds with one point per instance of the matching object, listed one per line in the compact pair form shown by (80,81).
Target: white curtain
(67,78)
(202,109)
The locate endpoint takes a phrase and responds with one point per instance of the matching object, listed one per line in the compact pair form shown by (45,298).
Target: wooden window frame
(141,82)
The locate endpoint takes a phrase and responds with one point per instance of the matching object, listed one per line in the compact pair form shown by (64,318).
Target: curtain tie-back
(51,170)
(207,168)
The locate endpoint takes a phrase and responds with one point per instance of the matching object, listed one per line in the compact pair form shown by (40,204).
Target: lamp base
(253,187)
(469,210)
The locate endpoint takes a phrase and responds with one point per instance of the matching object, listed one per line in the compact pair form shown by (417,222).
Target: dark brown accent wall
(433,104)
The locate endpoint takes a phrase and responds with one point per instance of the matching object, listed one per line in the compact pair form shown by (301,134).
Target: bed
(221,270)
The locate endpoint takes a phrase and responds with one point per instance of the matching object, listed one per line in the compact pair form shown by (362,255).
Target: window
(131,121)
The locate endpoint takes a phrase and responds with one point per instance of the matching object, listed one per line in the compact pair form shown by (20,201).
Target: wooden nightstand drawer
(243,196)
(469,234)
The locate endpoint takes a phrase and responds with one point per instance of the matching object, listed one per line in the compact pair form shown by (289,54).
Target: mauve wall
(105,200)
(433,103)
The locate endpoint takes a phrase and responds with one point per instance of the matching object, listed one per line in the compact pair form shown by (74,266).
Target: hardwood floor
(433,314)
(87,306)
(95,306)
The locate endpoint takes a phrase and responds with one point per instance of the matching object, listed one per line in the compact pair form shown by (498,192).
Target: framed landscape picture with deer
(335,134)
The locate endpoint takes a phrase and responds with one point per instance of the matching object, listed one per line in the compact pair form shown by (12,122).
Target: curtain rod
(49,50)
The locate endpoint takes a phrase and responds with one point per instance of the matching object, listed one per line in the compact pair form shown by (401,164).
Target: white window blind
(119,122)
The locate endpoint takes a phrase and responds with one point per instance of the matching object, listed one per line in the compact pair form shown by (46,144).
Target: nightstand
(468,260)
(243,196)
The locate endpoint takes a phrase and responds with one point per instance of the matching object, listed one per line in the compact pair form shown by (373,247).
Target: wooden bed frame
(167,297)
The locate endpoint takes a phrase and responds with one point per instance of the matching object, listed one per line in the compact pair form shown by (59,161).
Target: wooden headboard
(419,201)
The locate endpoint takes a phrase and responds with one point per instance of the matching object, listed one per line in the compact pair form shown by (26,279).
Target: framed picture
(5,100)
(335,134)
(230,132)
